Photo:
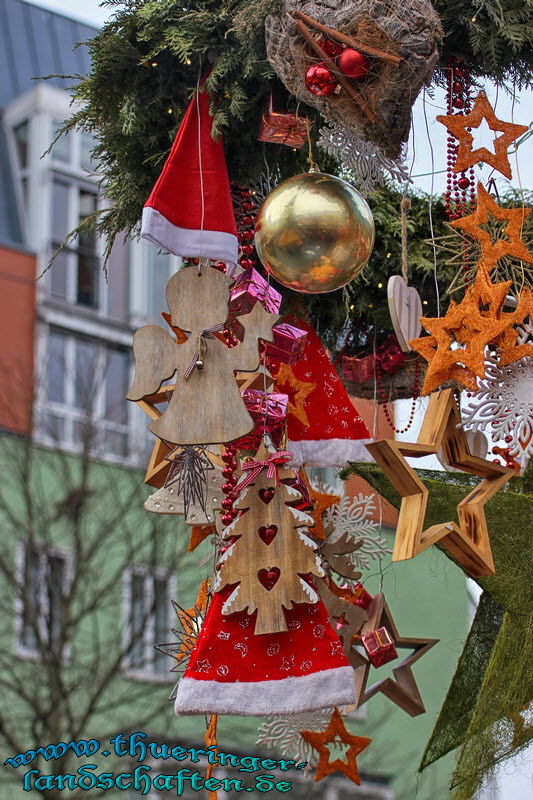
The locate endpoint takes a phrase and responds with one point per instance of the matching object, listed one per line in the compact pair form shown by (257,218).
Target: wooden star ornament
(512,245)
(468,542)
(458,125)
(336,732)
(402,689)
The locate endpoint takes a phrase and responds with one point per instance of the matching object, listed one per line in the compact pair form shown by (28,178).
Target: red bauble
(463,183)
(333,49)
(353,64)
(458,102)
(320,81)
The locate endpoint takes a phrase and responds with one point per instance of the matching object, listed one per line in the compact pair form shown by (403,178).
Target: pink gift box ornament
(379,647)
(287,344)
(250,287)
(269,413)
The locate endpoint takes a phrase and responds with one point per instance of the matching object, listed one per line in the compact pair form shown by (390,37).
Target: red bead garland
(228,472)
(384,404)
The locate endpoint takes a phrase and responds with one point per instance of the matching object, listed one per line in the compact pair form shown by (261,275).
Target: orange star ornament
(336,732)
(297,391)
(457,124)
(512,245)
(321,502)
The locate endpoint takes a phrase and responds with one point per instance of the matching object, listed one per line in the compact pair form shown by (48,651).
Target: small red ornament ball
(353,64)
(320,81)
(463,183)
(333,49)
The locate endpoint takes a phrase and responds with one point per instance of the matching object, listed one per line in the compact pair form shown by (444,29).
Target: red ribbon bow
(271,463)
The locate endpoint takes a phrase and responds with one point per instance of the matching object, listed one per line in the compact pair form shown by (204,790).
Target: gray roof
(34,42)
(38,42)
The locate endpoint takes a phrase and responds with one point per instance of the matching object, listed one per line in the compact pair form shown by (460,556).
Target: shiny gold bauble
(314,233)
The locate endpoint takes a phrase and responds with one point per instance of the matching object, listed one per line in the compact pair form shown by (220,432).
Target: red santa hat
(234,671)
(189,212)
(327,431)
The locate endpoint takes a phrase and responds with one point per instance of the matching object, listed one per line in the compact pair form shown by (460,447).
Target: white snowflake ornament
(503,404)
(353,516)
(283,733)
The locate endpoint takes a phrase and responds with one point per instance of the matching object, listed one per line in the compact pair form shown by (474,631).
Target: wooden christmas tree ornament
(405,309)
(271,554)
(468,542)
(206,406)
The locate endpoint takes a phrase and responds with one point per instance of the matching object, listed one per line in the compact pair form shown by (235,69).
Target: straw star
(336,732)
(511,245)
(457,124)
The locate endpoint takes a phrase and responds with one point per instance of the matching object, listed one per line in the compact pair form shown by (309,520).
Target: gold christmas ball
(314,233)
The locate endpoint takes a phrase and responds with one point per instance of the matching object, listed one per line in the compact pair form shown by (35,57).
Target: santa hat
(189,212)
(234,671)
(328,431)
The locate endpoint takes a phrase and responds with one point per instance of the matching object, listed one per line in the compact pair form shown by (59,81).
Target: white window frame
(45,552)
(149,574)
(68,411)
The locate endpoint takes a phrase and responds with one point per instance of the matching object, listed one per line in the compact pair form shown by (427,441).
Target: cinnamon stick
(348,88)
(349,40)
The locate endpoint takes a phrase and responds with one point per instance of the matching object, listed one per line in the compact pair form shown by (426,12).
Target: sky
(427,143)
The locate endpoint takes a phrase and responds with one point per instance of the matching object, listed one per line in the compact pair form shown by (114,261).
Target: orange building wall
(17,326)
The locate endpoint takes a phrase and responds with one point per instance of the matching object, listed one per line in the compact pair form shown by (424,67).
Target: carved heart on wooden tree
(269,577)
(268,533)
(266,495)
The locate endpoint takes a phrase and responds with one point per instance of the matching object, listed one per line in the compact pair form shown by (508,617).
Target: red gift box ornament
(358,370)
(287,344)
(379,647)
(249,288)
(282,127)
(269,413)
(391,357)
(361,597)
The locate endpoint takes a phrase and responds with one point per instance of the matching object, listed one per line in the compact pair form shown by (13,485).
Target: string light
(380,286)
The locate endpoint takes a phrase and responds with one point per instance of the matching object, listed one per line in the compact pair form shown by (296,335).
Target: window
(147,606)
(83,399)
(43,580)
(75,274)
(21,134)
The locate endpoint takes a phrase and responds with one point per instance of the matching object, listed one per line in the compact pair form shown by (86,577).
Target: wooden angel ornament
(206,406)
(272,554)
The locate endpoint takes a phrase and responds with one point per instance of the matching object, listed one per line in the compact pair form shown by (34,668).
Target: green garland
(146,63)
(493,682)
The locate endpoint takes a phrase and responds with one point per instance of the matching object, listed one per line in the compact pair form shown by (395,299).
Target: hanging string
(201,166)
(404,207)
(437,291)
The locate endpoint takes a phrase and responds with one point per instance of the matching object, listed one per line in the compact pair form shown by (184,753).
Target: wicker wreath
(409,29)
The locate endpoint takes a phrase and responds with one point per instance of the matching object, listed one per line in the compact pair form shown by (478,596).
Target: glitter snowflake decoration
(366,163)
(353,517)
(283,733)
(504,404)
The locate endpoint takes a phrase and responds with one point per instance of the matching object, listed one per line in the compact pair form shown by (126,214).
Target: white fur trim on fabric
(186,242)
(328,452)
(330,687)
